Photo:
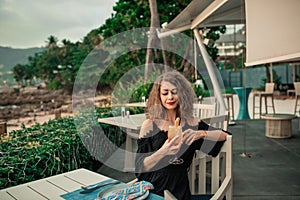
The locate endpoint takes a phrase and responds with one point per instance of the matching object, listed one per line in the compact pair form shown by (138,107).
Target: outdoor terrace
(263,168)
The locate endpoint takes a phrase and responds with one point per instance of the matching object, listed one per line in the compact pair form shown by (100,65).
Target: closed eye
(166,92)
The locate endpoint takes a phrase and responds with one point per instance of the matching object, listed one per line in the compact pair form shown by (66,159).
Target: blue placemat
(76,195)
(154,197)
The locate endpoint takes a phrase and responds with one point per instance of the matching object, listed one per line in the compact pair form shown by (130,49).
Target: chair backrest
(220,121)
(269,87)
(220,170)
(220,167)
(297,88)
(201,111)
(225,187)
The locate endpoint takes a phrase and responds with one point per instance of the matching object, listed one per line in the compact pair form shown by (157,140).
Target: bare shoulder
(147,126)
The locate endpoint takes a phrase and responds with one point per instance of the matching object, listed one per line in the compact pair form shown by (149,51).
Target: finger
(174,139)
(176,148)
(189,141)
(187,138)
(187,133)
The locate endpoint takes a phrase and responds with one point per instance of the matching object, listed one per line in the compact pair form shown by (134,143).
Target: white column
(212,75)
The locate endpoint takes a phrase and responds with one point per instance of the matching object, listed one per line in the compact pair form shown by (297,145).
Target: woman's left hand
(189,135)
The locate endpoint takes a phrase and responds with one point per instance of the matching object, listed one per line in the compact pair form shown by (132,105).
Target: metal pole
(195,59)
(271,72)
(209,66)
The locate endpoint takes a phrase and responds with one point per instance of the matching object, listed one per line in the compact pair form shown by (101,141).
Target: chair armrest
(168,195)
(221,192)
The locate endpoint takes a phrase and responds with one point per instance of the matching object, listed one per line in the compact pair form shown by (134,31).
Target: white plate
(113,189)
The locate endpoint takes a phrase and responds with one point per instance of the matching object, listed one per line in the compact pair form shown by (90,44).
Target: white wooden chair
(230,106)
(218,169)
(201,111)
(268,93)
(297,96)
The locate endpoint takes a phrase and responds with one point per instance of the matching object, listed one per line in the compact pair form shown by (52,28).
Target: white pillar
(212,75)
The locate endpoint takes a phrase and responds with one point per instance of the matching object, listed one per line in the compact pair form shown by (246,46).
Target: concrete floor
(272,169)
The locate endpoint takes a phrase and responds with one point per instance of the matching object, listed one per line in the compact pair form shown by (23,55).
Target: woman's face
(168,95)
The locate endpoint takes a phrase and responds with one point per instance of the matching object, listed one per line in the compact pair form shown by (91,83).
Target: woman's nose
(170,95)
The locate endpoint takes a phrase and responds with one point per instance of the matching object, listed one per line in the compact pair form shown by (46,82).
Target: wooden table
(278,125)
(52,187)
(132,126)
(136,104)
(55,186)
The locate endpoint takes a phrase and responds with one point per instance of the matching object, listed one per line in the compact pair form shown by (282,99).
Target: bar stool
(297,96)
(268,93)
(229,100)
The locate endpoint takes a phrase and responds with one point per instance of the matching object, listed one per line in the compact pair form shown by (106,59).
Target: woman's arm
(168,148)
(216,135)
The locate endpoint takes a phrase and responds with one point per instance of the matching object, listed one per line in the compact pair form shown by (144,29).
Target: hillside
(9,57)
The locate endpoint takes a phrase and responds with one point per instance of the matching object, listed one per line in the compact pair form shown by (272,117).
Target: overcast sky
(28,23)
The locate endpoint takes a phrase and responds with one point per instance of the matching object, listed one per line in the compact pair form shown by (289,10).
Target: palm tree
(154,23)
(51,42)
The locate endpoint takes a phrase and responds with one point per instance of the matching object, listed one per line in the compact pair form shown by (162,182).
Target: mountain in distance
(10,57)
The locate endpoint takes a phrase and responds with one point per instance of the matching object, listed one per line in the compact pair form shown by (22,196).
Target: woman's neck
(171,116)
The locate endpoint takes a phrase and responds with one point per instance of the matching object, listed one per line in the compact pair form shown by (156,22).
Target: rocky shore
(30,105)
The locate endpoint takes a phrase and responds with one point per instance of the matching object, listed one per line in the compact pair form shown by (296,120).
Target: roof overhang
(206,13)
(272,31)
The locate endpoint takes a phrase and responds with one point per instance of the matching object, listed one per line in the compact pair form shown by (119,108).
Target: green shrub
(54,84)
(144,90)
(16,90)
(56,147)
(41,151)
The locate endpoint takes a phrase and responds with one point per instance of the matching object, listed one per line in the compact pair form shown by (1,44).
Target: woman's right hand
(190,135)
(171,147)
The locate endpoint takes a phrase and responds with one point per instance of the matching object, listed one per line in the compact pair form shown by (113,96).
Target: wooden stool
(297,96)
(268,93)
(297,112)
(290,91)
(229,99)
(264,96)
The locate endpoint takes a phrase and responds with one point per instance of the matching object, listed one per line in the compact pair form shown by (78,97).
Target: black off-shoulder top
(172,177)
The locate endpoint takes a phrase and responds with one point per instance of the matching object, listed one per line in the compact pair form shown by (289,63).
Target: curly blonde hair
(185,92)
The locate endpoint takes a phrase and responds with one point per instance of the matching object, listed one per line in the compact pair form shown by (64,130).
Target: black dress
(172,177)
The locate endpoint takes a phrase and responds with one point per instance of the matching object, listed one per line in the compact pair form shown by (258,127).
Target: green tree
(136,14)
(19,73)
(51,42)
(58,65)
(23,74)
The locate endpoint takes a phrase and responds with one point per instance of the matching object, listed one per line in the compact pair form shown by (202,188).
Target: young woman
(164,162)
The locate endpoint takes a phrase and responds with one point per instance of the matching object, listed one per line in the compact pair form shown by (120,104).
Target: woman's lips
(171,103)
